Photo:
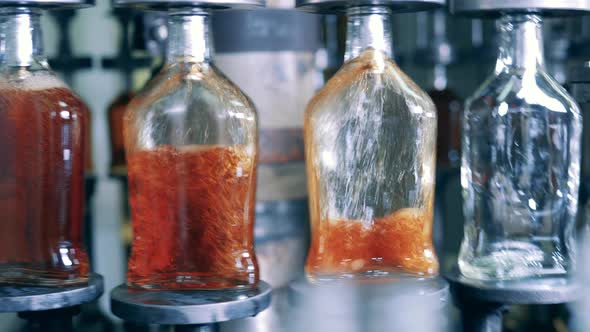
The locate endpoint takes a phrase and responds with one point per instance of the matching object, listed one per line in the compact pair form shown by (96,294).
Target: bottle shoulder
(371,79)
(29,78)
(191,87)
(521,91)
(41,88)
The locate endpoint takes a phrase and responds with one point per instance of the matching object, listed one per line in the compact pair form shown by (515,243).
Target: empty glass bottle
(370,140)
(43,135)
(191,145)
(520,164)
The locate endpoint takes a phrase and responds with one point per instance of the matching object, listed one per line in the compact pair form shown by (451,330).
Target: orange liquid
(398,243)
(193,215)
(43,143)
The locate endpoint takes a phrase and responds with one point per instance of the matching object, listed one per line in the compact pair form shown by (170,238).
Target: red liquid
(42,144)
(193,215)
(400,243)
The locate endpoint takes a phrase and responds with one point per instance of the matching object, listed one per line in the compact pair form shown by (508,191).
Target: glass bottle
(370,139)
(191,143)
(43,143)
(520,164)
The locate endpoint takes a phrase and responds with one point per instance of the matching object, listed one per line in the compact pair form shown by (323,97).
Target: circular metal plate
(185,307)
(373,304)
(398,6)
(397,291)
(26,298)
(527,291)
(48,4)
(211,4)
(496,7)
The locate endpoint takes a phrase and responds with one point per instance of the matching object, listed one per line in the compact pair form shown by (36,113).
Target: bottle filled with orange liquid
(43,139)
(370,139)
(191,148)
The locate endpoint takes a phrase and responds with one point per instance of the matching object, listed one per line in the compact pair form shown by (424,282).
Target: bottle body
(43,142)
(43,134)
(191,144)
(520,166)
(370,154)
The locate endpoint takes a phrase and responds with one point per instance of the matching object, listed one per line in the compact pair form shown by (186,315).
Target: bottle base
(34,277)
(369,276)
(511,260)
(190,282)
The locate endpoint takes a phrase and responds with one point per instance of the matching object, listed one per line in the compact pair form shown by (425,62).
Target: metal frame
(48,4)
(398,6)
(478,8)
(208,4)
(482,303)
(188,307)
(15,298)
(580,74)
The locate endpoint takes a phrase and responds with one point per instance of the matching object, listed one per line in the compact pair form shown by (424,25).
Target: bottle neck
(368,27)
(23,45)
(521,45)
(189,36)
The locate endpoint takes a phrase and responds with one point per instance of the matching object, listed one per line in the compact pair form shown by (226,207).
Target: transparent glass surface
(370,139)
(520,165)
(191,143)
(43,142)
